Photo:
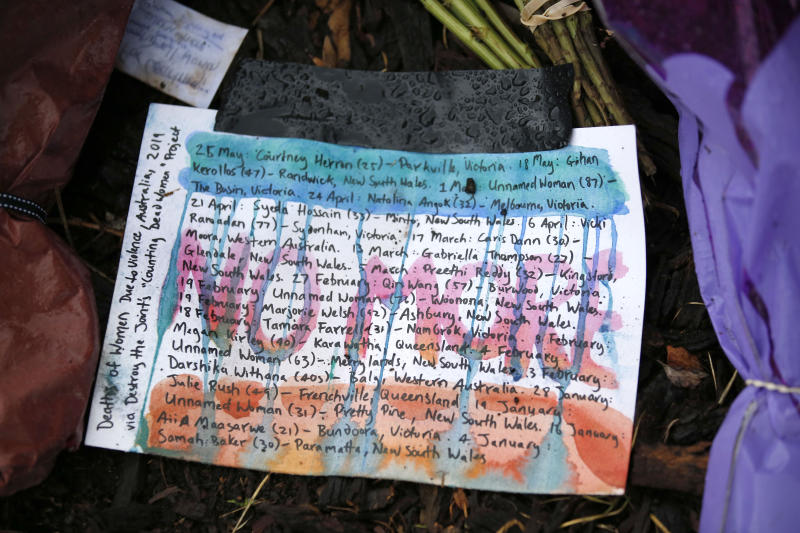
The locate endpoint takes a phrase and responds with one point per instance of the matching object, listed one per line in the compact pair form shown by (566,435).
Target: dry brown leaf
(460,501)
(683,369)
(680,358)
(339,24)
(328,53)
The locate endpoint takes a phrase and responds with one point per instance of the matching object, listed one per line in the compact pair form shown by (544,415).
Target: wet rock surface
(437,112)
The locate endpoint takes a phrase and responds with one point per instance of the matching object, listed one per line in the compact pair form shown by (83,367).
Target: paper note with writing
(178,50)
(302,307)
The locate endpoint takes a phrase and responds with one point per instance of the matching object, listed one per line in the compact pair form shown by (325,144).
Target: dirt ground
(98,490)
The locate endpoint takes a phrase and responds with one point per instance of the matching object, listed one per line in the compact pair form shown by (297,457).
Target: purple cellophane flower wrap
(736,85)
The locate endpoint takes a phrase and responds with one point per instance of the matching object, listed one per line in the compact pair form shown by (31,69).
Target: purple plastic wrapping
(739,121)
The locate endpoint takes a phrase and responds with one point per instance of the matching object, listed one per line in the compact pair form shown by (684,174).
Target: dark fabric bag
(56,62)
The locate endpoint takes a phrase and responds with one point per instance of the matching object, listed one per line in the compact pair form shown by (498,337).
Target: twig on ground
(98,271)
(90,225)
(250,500)
(511,523)
(659,524)
(727,387)
(669,428)
(262,12)
(592,518)
(713,374)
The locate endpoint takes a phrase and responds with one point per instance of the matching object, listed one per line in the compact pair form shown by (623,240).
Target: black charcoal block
(437,112)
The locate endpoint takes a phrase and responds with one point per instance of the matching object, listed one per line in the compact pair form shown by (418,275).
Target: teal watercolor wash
(573,181)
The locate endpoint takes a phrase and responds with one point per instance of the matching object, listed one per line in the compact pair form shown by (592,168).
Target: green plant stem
(609,100)
(520,47)
(546,40)
(582,116)
(547,47)
(598,117)
(471,17)
(586,29)
(593,97)
(581,30)
(593,72)
(571,56)
(553,37)
(463,34)
(572,40)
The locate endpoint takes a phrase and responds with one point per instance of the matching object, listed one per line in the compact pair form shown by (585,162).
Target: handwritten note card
(301,307)
(178,50)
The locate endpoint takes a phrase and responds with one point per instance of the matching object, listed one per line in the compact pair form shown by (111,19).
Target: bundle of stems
(476,24)
(595,100)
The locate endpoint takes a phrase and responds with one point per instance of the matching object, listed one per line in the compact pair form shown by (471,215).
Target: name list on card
(178,50)
(301,307)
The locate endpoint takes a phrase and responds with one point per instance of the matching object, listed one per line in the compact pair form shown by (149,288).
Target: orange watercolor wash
(605,375)
(520,417)
(602,439)
(236,395)
(303,421)
(168,419)
(414,423)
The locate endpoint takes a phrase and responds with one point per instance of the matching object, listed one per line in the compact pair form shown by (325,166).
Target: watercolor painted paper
(178,50)
(302,307)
